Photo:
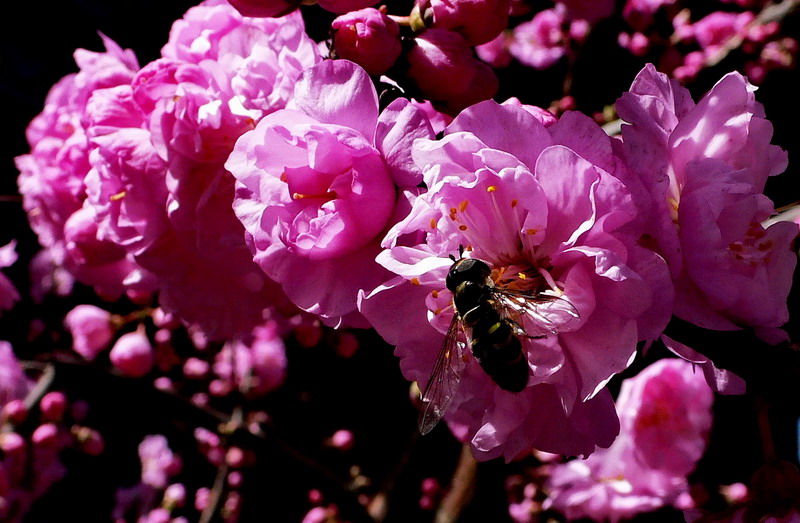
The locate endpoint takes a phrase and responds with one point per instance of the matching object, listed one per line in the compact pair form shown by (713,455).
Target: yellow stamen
(116,197)
(463,206)
(414,281)
(433,223)
(514,203)
(330,195)
(462,227)
(435,294)
(491,188)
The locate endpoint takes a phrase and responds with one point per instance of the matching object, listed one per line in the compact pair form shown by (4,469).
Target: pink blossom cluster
(697,43)
(240,178)
(665,417)
(34,431)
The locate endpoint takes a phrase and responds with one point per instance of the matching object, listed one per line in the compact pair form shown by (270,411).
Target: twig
(461,489)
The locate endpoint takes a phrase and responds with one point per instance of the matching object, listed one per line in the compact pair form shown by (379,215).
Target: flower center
(754,248)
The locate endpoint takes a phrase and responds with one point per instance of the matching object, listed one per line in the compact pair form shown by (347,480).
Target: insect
(493,319)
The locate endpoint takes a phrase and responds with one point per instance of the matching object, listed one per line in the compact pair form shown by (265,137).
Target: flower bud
(90,441)
(444,69)
(45,435)
(367,37)
(15,411)
(342,439)
(11,443)
(132,354)
(265,8)
(175,496)
(478,21)
(91,330)
(53,405)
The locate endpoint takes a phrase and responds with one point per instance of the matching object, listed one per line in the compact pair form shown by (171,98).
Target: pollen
(435,293)
(116,197)
(462,227)
(433,223)
(283,177)
(463,206)
(521,276)
(491,188)
(514,203)
(414,281)
(453,212)
(437,311)
(531,232)
(469,248)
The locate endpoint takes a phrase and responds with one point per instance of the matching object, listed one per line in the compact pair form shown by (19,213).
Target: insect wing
(443,384)
(535,315)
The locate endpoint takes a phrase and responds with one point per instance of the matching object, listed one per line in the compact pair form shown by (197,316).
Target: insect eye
(467,270)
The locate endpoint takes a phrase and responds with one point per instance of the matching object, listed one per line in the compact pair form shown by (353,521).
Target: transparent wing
(534,315)
(443,384)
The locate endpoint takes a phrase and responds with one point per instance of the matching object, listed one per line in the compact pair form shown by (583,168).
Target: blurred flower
(91,330)
(541,42)
(665,418)
(8,293)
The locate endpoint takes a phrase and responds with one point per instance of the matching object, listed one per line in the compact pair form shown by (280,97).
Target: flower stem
(462,488)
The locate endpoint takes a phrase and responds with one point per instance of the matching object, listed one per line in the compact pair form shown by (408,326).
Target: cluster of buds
(35,428)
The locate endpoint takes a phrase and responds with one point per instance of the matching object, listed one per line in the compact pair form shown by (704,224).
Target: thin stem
(461,489)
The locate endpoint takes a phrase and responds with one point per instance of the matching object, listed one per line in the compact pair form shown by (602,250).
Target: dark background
(324,393)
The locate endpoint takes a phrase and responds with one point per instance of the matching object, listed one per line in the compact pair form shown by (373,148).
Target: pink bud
(444,69)
(46,435)
(53,405)
(219,388)
(163,383)
(175,495)
(347,344)
(201,498)
(430,486)
(165,320)
(235,457)
(315,496)
(11,443)
(478,21)
(15,411)
(91,442)
(195,368)
(235,479)
(342,440)
(91,330)
(132,354)
(367,37)
(265,8)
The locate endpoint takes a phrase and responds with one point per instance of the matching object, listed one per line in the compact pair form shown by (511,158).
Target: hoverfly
(492,319)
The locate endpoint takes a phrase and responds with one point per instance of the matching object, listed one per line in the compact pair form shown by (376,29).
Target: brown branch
(461,490)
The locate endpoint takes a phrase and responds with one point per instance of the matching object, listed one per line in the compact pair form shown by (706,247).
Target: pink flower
(700,170)
(255,367)
(159,185)
(539,201)
(51,176)
(367,37)
(91,330)
(8,293)
(443,67)
(159,463)
(132,354)
(14,384)
(714,30)
(478,21)
(315,192)
(541,42)
(665,417)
